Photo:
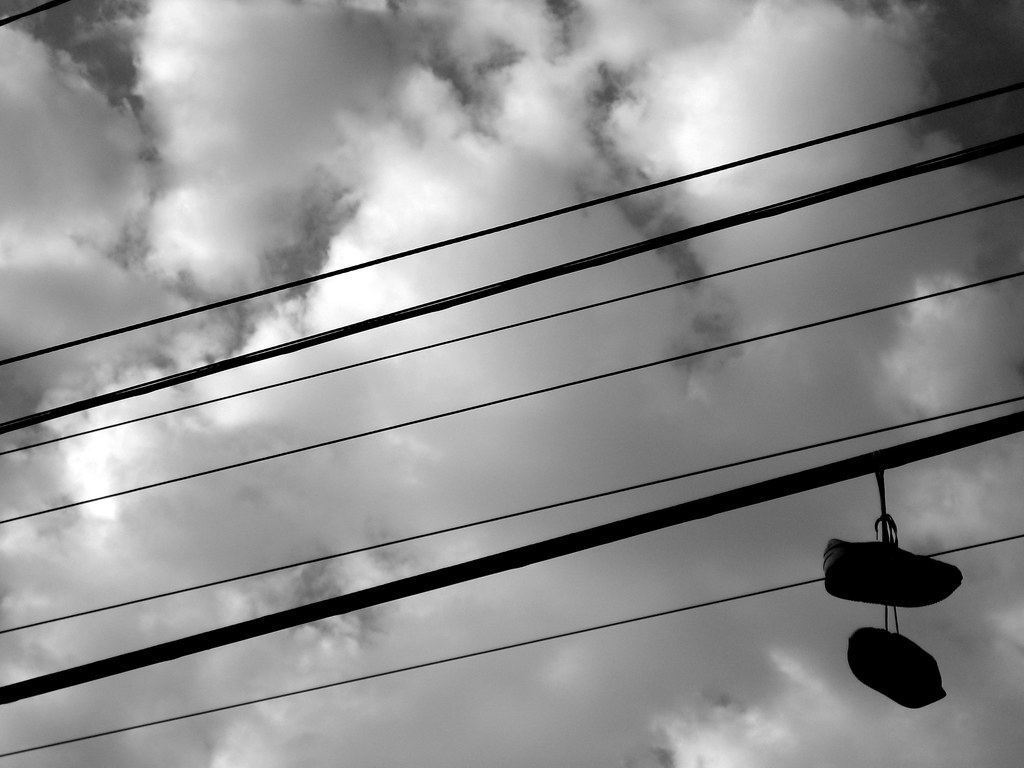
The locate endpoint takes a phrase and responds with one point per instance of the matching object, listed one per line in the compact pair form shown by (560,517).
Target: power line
(532,278)
(518,222)
(471,654)
(519,324)
(777,487)
(508,399)
(520,513)
(31,11)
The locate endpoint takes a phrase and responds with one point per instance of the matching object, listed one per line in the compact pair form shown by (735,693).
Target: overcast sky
(165,153)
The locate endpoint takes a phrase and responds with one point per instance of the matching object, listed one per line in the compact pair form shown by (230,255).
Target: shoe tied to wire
(895,666)
(882,573)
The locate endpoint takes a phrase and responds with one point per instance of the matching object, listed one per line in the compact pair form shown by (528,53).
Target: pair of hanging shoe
(881,572)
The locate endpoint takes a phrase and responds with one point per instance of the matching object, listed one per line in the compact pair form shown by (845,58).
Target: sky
(161,154)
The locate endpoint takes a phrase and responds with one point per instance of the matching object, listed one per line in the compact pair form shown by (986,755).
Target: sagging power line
(510,398)
(512,224)
(529,554)
(469,655)
(520,513)
(519,324)
(532,278)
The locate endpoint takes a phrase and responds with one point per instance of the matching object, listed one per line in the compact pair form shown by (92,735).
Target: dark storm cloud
(968,48)
(97,35)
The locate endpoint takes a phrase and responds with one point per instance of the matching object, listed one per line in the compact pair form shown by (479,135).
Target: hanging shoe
(882,573)
(895,666)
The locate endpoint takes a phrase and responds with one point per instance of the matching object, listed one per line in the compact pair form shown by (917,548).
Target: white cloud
(955,347)
(766,82)
(72,189)
(70,169)
(244,123)
(810,720)
(964,498)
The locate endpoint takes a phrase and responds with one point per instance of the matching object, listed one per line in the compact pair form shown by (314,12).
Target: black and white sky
(159,154)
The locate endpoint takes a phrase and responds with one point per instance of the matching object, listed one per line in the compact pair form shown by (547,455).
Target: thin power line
(532,278)
(520,513)
(776,487)
(510,398)
(519,324)
(518,222)
(31,11)
(471,654)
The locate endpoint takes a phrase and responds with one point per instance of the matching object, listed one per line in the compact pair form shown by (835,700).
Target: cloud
(277,139)
(224,88)
(692,106)
(944,348)
(70,160)
(807,722)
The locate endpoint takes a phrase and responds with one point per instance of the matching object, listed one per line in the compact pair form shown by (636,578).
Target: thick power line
(519,324)
(470,655)
(532,278)
(512,224)
(31,11)
(412,667)
(519,513)
(508,399)
(530,554)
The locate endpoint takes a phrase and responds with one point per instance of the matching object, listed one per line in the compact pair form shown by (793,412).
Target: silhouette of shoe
(882,573)
(895,666)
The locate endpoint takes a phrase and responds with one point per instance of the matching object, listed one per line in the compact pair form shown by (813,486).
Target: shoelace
(889,534)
